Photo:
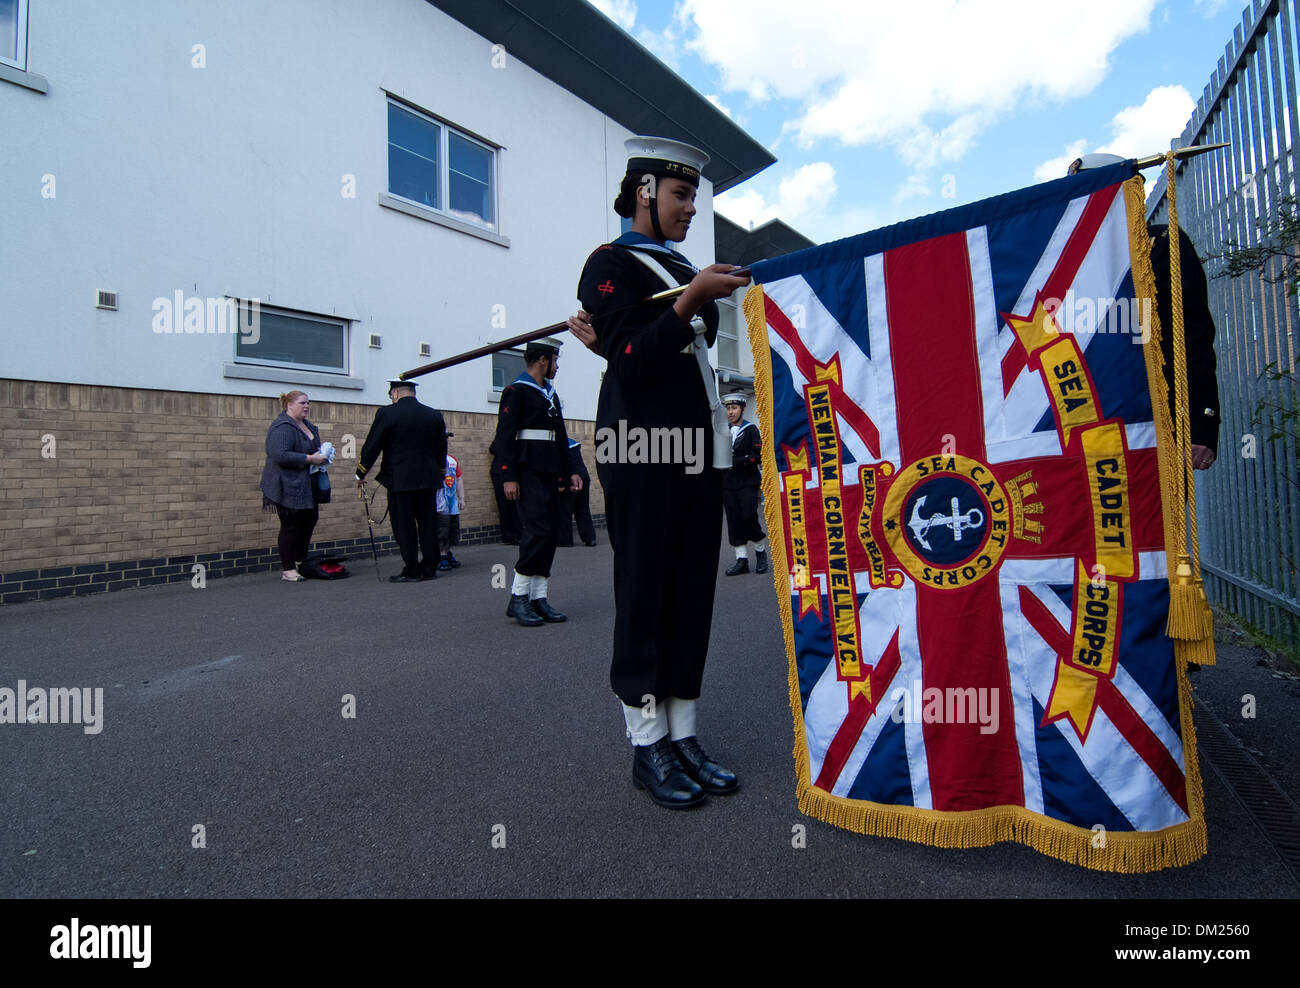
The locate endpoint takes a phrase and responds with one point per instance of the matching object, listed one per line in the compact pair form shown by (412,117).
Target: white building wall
(227,180)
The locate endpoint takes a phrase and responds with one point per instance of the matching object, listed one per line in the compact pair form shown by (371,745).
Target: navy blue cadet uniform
(664,522)
(540,466)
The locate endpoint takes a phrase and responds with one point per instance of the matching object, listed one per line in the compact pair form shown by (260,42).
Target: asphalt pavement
(484,759)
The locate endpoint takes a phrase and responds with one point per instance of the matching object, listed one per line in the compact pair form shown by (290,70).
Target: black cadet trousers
(741,504)
(415,527)
(539,522)
(666,532)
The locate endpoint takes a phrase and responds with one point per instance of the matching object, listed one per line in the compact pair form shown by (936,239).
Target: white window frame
(729,314)
(445,130)
(20,48)
(338,321)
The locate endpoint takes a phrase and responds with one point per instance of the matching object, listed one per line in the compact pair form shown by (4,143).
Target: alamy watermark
(58,705)
(1082,315)
(950,705)
(194,315)
(636,444)
(102,942)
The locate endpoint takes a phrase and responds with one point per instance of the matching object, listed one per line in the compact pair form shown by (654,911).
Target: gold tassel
(1200,651)
(1189,612)
(1125,852)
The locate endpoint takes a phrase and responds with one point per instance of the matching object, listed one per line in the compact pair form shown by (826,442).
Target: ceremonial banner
(963,483)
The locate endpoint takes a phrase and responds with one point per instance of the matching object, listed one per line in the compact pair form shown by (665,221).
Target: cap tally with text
(735,398)
(661,156)
(543,348)
(399,383)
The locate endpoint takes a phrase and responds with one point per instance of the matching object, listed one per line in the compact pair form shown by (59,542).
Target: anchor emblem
(957,521)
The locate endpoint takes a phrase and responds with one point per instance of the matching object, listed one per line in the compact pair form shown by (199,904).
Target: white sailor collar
(526,379)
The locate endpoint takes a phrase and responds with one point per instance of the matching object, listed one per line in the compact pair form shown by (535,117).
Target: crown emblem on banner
(1020,490)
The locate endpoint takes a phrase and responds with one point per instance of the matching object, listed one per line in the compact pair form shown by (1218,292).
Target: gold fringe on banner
(1190,624)
(1097,849)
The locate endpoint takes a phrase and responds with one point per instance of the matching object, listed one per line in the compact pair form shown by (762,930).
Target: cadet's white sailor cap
(735,398)
(547,347)
(661,156)
(1099,159)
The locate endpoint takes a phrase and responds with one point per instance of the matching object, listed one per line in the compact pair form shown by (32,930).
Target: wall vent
(376,341)
(106,300)
(424,349)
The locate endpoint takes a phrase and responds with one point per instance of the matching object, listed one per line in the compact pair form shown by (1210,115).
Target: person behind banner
(507,510)
(413,441)
(1198,323)
(533,460)
(577,504)
(663,518)
(740,489)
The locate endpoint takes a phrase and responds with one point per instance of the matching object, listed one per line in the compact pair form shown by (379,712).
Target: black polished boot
(761,565)
(546,612)
(741,565)
(712,777)
(522,611)
(655,769)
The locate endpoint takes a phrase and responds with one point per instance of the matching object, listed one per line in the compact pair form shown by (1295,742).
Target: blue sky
(877,115)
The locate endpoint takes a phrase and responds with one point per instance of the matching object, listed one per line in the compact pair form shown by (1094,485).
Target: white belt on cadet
(541,435)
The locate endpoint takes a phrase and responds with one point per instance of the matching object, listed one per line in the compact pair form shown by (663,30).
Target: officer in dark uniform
(533,461)
(663,518)
(413,441)
(740,488)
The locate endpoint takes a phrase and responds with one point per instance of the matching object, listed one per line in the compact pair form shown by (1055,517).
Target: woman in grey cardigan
(292,449)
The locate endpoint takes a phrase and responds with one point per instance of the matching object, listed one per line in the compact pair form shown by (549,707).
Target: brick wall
(108,488)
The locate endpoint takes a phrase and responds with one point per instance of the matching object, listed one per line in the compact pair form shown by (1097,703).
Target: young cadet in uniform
(413,440)
(533,460)
(663,518)
(740,488)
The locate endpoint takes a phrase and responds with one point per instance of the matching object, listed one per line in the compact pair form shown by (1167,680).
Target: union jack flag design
(974,584)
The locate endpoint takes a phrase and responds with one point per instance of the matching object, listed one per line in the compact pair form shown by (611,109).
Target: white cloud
(717,101)
(1146,129)
(666,45)
(1134,131)
(1056,167)
(621,12)
(916,187)
(1209,8)
(965,63)
(801,198)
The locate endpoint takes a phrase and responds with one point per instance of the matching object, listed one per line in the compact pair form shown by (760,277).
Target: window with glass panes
(434,165)
(13,33)
(292,339)
(506,366)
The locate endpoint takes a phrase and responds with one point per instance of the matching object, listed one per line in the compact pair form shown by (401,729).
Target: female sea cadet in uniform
(665,519)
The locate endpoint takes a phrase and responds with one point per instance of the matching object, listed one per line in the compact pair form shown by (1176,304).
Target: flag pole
(523,338)
(1180,154)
